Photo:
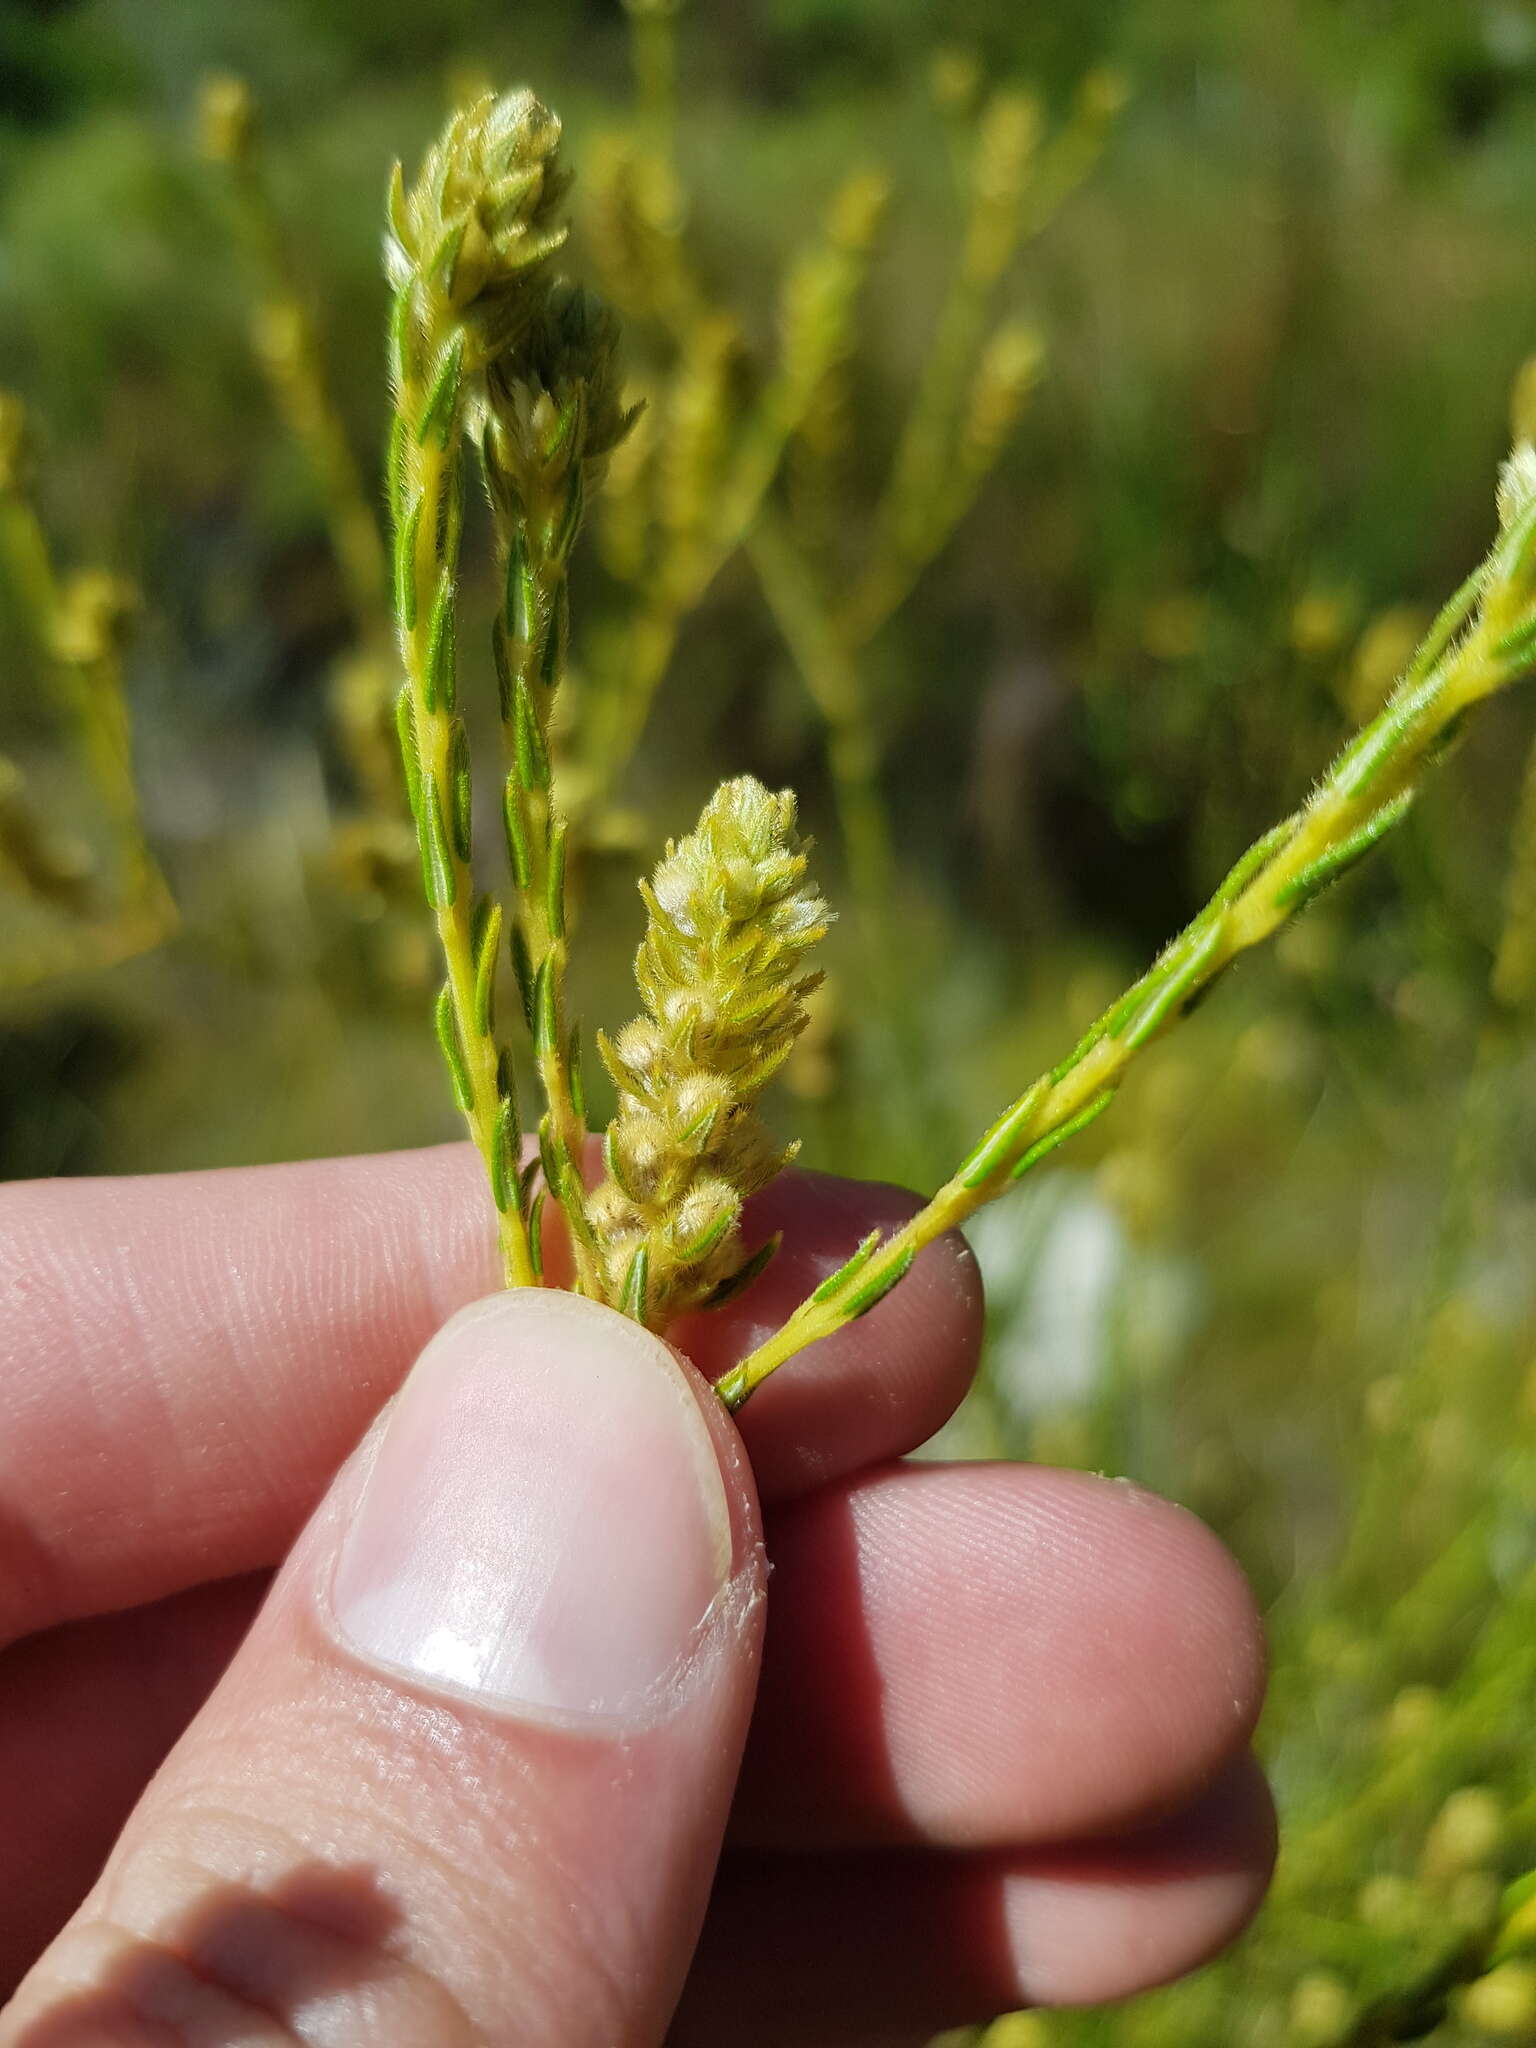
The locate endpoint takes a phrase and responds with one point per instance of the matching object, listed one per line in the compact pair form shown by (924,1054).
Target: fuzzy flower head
(482,218)
(732,916)
(555,404)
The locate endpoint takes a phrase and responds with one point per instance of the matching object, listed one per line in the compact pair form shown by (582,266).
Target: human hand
(466,1777)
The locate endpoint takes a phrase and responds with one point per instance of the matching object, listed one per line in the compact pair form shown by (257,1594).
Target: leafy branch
(1484,640)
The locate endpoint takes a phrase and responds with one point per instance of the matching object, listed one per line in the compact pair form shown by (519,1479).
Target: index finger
(186,1359)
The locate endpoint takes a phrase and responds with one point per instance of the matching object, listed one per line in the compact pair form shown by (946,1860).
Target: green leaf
(1448,622)
(1070,1129)
(563,432)
(453,1048)
(1086,1043)
(522,597)
(708,1239)
(568,522)
(487,952)
(506,1143)
(551,1157)
(694,1136)
(1258,857)
(1328,867)
(633,1300)
(1364,762)
(405,568)
(522,969)
(1002,1141)
(441,411)
(460,789)
(878,1286)
(529,749)
(546,1029)
(856,1260)
(1173,985)
(536,1235)
(556,633)
(1517,649)
(613,1165)
(738,1282)
(554,881)
(503,661)
(436,858)
(410,752)
(444,261)
(439,678)
(450,513)
(519,852)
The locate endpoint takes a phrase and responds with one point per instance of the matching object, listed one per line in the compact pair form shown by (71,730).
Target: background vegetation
(1289,1280)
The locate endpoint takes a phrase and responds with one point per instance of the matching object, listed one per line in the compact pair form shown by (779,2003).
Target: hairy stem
(1366,791)
(428,490)
(530,650)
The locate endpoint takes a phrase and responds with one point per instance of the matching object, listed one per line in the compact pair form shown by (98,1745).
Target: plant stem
(288,352)
(650,639)
(1367,790)
(836,684)
(77,624)
(1016,189)
(917,474)
(530,645)
(429,511)
(653,59)
(816,301)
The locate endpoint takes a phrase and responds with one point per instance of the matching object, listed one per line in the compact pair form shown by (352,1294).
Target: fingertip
(1208,1655)
(976,1654)
(899,1947)
(1146,1619)
(1107,1921)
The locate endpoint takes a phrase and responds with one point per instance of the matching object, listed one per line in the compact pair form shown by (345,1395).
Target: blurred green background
(1290,1279)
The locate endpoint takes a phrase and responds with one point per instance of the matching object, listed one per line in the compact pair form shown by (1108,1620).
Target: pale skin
(1008,1708)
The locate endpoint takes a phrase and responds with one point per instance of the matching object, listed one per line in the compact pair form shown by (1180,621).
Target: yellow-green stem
(539,901)
(651,638)
(1361,796)
(287,348)
(653,58)
(832,674)
(1015,192)
(918,470)
(83,664)
(29,566)
(430,487)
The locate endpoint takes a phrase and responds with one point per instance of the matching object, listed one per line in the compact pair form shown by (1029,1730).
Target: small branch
(1484,640)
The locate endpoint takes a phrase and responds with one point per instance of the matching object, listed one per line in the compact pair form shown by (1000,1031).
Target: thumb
(466,1780)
